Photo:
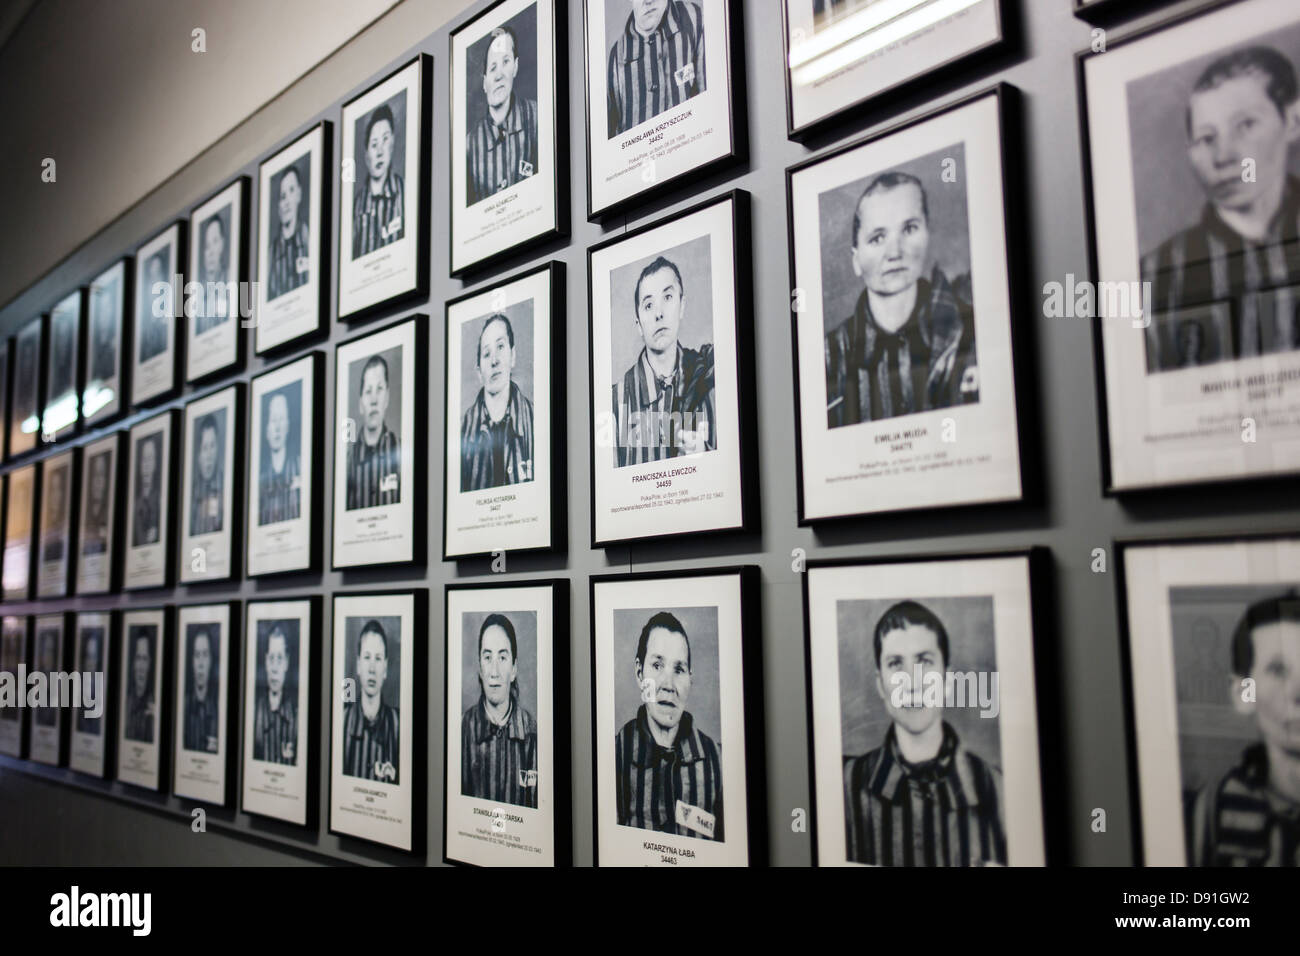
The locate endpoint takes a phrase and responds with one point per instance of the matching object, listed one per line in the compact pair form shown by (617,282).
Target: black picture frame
(23,443)
(423,202)
(558,478)
(119,404)
(174,365)
(63,714)
(559,161)
(239,260)
(109,663)
(6,372)
(561,691)
(419,446)
(737,113)
(749,577)
(873,101)
(25,591)
(1111,11)
(62,586)
(116,514)
(1011,150)
(231,692)
(169,479)
(22,730)
(317,236)
(1051,763)
(233,475)
(742,273)
(162,696)
(52,430)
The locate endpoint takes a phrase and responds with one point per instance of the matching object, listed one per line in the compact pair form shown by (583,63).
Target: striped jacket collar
(355,723)
(632,46)
(648,393)
(513,123)
(687,748)
(949,771)
(515,727)
(936,318)
(1284,225)
(481,421)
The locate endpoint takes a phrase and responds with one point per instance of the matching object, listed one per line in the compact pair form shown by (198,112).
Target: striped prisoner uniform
(275,732)
(139,718)
(206,506)
(498,762)
(201,731)
(499,155)
(216,304)
(650,412)
(285,254)
(493,454)
(652,781)
(378,220)
(946,811)
(1242,294)
(370,747)
(374,471)
(279,493)
(1243,821)
(647,76)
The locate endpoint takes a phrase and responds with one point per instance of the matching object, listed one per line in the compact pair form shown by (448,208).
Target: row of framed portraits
(925,690)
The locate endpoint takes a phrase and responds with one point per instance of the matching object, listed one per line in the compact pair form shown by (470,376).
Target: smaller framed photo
(676,703)
(922,683)
(25,404)
(13,661)
(150,491)
(284,467)
(90,748)
(1211,628)
(20,518)
(212,491)
(57,541)
(668,121)
(159,286)
(103,467)
(505,417)
(383,208)
(378,718)
(108,344)
(509,131)
(216,298)
(49,729)
(380,482)
(672,436)
(142,723)
(293,215)
(62,410)
(207,723)
(505,744)
(281,661)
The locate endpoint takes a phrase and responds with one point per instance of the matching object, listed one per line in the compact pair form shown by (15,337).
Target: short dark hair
(501,31)
(372,627)
(668,622)
(494,317)
(1272,610)
(159,257)
(883,183)
(1279,76)
(503,622)
(382,112)
(206,423)
(375,361)
(220,225)
(658,265)
(291,169)
(906,614)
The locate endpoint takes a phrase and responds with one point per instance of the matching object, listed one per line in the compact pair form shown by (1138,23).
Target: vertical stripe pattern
(646,76)
(279,493)
(499,156)
(652,780)
(498,762)
(275,732)
(374,472)
(378,219)
(370,747)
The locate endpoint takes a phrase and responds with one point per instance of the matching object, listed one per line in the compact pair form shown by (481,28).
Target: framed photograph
(142,726)
(380,430)
(1105,11)
(216,300)
(1212,627)
(383,205)
(24,406)
(509,131)
(13,663)
(150,489)
(212,492)
(108,345)
(206,722)
(668,121)
(676,701)
(90,747)
(293,215)
(102,471)
(378,718)
(1196,320)
(62,410)
(284,510)
(20,518)
(57,539)
(923,711)
(506,739)
(842,55)
(280,709)
(505,417)
(48,728)
(672,439)
(159,290)
(905,374)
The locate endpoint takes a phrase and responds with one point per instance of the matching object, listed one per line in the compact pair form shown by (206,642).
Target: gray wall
(1071,519)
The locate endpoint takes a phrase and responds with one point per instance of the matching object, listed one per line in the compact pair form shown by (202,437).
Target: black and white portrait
(139,719)
(146,505)
(202,752)
(275,706)
(102,397)
(12,649)
(372,719)
(141,724)
(154,306)
(280,476)
(654,61)
(379,198)
(217,296)
(284,450)
(161,302)
(212,482)
(91,656)
(94,572)
(208,467)
(501,146)
(49,637)
(98,511)
(54,523)
(24,404)
(496,424)
(62,403)
(374,453)
(20,499)
(288,242)
(150,509)
(215,304)
(201,720)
